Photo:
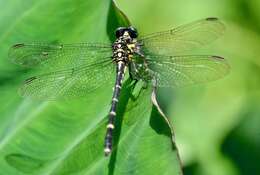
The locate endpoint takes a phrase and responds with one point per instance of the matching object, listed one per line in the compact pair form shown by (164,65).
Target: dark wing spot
(29,80)
(212,19)
(18,45)
(218,57)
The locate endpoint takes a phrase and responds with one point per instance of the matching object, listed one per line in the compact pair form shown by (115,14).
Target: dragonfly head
(126,31)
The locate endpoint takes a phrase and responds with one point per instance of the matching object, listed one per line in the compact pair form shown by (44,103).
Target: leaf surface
(66,137)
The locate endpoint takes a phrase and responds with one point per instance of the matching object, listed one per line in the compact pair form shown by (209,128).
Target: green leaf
(116,18)
(24,163)
(66,137)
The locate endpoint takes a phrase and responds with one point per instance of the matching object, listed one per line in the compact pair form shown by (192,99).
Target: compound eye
(120,31)
(132,32)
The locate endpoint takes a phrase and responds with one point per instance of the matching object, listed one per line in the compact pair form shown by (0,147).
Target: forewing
(70,83)
(184,38)
(60,56)
(178,71)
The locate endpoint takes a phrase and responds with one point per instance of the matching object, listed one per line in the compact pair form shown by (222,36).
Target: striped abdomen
(112,114)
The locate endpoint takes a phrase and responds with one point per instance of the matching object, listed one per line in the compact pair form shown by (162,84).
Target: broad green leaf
(66,137)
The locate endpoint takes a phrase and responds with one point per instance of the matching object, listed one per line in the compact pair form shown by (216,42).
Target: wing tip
(217,57)
(18,45)
(29,80)
(216,21)
(12,51)
(23,87)
(224,62)
(212,19)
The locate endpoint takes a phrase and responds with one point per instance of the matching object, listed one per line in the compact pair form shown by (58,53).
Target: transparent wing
(178,71)
(183,38)
(74,82)
(60,56)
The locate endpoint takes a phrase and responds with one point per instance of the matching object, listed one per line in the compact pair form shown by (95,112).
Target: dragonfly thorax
(123,48)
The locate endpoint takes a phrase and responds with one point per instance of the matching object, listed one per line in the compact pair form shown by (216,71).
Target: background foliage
(216,125)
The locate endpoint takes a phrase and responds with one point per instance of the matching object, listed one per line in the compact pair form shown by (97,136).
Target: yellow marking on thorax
(131,47)
(130,56)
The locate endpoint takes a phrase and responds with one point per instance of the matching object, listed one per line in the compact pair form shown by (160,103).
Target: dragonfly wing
(60,56)
(69,83)
(178,71)
(183,38)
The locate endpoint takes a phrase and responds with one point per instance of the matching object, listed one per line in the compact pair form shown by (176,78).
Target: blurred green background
(217,126)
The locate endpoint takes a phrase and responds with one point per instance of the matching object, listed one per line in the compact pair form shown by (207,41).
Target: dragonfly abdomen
(112,113)
(122,54)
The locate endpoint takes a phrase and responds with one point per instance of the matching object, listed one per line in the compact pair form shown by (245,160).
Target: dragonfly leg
(133,72)
(130,74)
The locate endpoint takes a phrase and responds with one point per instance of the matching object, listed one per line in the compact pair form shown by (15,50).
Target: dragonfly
(73,70)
